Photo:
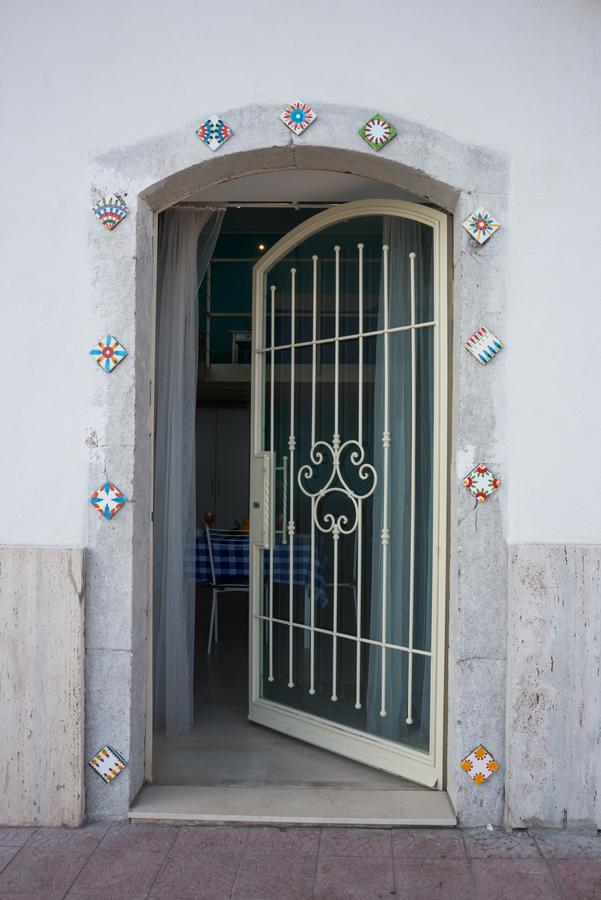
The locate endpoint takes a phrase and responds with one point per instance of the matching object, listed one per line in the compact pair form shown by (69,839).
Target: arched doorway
(453,176)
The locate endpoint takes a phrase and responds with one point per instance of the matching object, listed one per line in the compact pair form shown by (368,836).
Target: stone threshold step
(291,806)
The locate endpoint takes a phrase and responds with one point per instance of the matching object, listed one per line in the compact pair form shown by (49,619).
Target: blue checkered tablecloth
(230,559)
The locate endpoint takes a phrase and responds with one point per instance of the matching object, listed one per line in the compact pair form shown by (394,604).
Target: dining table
(231,560)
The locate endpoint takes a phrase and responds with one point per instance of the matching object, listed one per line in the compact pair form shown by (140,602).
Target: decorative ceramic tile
(110,211)
(480,764)
(214,132)
(481,482)
(481,224)
(107,763)
(298,116)
(108,500)
(109,353)
(377,132)
(484,345)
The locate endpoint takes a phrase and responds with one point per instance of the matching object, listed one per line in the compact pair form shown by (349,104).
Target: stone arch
(158,172)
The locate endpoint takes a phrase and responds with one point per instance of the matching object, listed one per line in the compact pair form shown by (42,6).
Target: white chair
(218,539)
(349,585)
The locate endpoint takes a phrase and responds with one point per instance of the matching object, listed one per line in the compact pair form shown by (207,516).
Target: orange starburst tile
(479,764)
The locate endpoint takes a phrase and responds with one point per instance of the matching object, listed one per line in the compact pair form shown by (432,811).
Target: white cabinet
(222,465)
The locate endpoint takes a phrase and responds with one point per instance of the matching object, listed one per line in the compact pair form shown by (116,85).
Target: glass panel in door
(346,370)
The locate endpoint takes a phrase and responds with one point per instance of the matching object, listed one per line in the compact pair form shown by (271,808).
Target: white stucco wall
(522,80)
(519,77)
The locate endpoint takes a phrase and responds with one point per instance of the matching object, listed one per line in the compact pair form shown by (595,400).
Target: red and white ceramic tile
(481,482)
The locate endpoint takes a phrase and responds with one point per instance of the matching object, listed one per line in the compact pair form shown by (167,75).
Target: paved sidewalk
(106,862)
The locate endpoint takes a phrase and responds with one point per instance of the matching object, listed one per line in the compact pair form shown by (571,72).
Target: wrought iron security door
(348,486)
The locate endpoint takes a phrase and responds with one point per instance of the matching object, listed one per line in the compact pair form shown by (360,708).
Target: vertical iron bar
(386,449)
(335,537)
(360,386)
(208,346)
(409,718)
(313,392)
(336,440)
(272,464)
(359,537)
(291,447)
(284,500)
(336,449)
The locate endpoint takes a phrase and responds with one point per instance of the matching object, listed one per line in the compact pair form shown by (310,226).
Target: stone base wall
(550,771)
(553,745)
(41,686)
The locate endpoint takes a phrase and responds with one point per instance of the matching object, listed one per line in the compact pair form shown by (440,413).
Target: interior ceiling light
(261,246)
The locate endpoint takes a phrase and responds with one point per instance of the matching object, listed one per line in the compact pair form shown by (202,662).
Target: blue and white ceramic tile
(298,116)
(214,132)
(110,211)
(109,353)
(481,224)
(484,345)
(108,500)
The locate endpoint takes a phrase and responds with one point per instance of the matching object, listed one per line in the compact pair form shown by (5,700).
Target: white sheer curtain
(403,237)
(186,241)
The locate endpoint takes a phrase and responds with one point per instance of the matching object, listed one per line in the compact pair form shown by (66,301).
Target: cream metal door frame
(425,768)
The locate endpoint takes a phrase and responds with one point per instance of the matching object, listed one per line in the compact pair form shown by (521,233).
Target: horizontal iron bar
(341,634)
(289,259)
(347,337)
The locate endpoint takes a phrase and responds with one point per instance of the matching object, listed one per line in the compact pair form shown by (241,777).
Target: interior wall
(222,465)
(535,97)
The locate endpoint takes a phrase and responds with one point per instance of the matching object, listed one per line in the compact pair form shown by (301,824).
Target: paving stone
(130,873)
(514,879)
(15,837)
(42,870)
(6,854)
(341,877)
(428,843)
(579,879)
(196,875)
(266,877)
(210,838)
(555,844)
(368,842)
(157,838)
(483,844)
(434,879)
(282,841)
(114,862)
(86,838)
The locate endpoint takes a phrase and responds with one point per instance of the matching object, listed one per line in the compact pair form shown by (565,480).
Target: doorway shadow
(223,747)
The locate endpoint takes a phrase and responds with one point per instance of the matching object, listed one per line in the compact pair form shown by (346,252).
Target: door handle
(260,507)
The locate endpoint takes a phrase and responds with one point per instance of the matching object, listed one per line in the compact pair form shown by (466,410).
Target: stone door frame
(158,172)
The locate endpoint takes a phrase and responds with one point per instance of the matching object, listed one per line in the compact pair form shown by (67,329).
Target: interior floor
(224,748)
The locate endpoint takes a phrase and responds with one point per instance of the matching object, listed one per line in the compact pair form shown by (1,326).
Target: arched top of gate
(343,212)
(165,170)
